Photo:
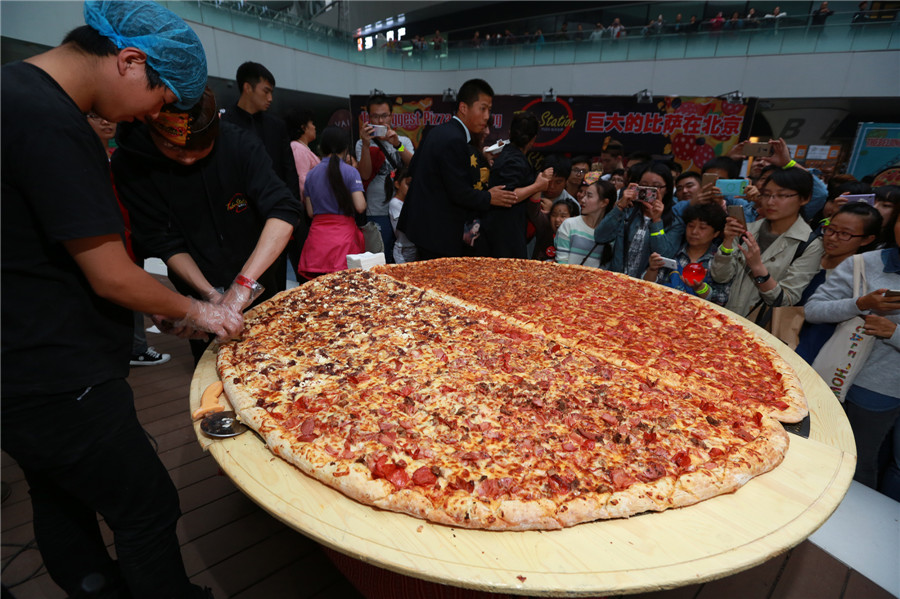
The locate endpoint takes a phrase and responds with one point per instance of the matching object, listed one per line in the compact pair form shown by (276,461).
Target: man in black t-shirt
(251,112)
(69,287)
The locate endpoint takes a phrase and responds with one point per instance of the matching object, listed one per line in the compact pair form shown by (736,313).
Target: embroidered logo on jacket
(237,203)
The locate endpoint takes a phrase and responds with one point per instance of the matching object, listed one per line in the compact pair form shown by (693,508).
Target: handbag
(845,353)
(372,235)
(784,322)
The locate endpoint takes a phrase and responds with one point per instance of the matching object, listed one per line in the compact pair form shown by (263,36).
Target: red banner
(691,130)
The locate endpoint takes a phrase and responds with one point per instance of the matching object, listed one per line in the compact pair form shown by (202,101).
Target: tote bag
(784,322)
(843,355)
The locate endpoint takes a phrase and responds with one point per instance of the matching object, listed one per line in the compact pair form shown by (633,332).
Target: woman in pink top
(302,130)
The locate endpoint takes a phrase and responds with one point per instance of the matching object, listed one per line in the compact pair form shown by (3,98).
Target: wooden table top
(648,552)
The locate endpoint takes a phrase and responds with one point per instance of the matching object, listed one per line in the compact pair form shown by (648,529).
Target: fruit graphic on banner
(700,129)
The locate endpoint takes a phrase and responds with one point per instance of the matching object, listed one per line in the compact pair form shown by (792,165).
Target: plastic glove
(221,320)
(170,327)
(215,295)
(242,293)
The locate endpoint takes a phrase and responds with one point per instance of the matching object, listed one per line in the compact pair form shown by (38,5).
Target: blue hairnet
(172,48)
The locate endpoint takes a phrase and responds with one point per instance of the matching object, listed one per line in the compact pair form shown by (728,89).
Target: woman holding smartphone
(638,222)
(853,229)
(873,401)
(773,259)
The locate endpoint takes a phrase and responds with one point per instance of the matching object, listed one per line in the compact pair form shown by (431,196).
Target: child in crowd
(404,249)
(546,225)
(703,229)
(575,242)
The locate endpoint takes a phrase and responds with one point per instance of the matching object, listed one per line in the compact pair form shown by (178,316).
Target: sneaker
(150,357)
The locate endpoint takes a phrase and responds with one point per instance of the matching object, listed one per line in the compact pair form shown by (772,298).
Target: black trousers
(85,453)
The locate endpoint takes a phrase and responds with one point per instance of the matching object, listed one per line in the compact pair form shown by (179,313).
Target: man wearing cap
(69,287)
(202,196)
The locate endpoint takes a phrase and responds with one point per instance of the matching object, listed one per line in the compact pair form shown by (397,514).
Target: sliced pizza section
(634,324)
(405,400)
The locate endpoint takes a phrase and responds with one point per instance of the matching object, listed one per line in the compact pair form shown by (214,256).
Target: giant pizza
(510,395)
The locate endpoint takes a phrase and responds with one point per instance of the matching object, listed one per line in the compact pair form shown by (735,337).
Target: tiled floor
(232,546)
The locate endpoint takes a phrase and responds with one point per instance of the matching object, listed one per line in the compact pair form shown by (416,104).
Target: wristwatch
(762,279)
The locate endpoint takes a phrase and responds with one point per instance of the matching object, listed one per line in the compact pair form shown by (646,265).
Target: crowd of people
(779,238)
(229,196)
(680,24)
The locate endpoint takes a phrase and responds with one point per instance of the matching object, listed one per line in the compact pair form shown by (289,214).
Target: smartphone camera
(758,150)
(647,194)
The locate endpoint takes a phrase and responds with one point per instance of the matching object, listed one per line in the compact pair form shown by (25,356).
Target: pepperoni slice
(424,477)
(399,478)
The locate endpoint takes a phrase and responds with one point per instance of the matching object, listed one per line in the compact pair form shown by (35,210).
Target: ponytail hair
(391,180)
(333,142)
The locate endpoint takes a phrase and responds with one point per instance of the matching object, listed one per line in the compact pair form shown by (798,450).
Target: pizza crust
(251,389)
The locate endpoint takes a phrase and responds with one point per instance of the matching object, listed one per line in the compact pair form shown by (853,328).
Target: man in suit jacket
(441,198)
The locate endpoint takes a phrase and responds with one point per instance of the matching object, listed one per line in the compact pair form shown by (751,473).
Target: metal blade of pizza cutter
(222,425)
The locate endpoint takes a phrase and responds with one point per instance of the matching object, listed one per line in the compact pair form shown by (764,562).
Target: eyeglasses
(579,171)
(778,196)
(96,117)
(380,117)
(828,231)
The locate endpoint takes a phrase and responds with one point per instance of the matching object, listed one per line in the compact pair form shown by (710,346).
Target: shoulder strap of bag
(802,247)
(765,315)
(583,260)
(860,285)
(388,155)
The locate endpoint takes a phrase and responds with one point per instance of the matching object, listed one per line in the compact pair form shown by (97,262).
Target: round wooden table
(648,552)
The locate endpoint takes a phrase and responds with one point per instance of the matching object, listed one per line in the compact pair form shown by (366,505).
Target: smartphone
(647,194)
(670,264)
(380,130)
(708,178)
(892,293)
(732,187)
(738,213)
(868,198)
(757,149)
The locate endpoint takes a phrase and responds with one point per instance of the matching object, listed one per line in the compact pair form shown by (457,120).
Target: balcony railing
(293,32)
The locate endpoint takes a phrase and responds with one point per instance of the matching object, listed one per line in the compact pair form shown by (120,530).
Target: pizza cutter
(222,425)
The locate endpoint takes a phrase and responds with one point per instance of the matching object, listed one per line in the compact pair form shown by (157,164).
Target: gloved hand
(242,293)
(215,295)
(201,319)
(221,320)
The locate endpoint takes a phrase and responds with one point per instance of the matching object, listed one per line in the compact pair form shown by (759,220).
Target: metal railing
(291,31)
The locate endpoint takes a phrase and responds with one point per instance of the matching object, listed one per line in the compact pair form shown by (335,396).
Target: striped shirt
(575,242)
